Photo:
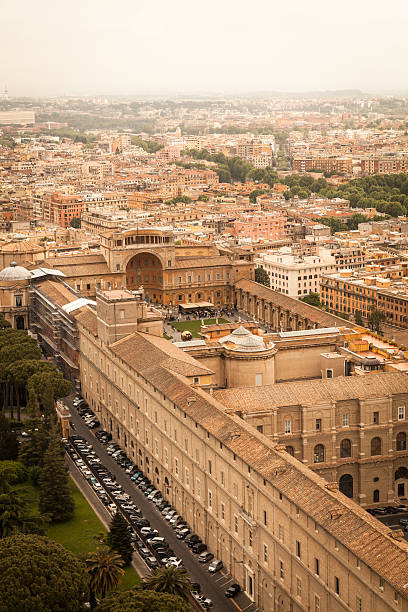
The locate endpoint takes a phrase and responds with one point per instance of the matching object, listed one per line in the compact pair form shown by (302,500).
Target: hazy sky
(54,47)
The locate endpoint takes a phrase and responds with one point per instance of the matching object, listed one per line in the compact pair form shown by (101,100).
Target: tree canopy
(262,277)
(38,574)
(138,600)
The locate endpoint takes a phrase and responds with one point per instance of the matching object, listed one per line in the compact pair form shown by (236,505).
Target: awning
(196,305)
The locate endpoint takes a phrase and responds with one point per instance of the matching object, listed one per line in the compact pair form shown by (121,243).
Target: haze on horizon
(96,47)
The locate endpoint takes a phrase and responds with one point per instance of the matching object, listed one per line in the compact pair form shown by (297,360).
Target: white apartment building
(296,275)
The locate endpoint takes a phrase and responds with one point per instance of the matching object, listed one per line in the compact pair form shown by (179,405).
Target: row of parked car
(182,531)
(86,413)
(151,546)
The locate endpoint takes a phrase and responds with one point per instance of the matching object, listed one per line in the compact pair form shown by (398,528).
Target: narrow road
(212,586)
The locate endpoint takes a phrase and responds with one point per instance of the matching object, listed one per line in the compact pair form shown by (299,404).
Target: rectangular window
(318,424)
(235,489)
(223,512)
(281,570)
(236,524)
(265,548)
(198,486)
(376,418)
(337,585)
(187,477)
(317,603)
(222,478)
(176,467)
(287,426)
(317,566)
(281,533)
(298,549)
(197,454)
(401,413)
(298,587)
(265,518)
(345,419)
(260,428)
(209,467)
(329,373)
(250,540)
(359,606)
(210,499)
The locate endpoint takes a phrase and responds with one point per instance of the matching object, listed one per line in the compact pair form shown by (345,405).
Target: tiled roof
(200,262)
(296,307)
(57,292)
(301,393)
(141,351)
(87,317)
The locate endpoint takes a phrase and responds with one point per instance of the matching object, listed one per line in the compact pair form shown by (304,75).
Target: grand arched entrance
(145,269)
(346,485)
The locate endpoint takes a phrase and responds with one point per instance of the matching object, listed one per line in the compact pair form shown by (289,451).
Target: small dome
(244,340)
(14,272)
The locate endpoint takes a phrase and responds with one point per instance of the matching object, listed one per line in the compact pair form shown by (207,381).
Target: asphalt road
(392,520)
(212,586)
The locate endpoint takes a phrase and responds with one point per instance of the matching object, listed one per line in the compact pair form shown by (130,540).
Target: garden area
(194,326)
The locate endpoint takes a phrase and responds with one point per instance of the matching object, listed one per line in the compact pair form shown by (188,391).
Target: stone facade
(292,540)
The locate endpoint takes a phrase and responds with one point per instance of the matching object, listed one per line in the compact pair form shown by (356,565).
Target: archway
(346,485)
(145,269)
(20,324)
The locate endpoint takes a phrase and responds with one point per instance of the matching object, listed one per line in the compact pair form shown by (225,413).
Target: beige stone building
(352,430)
(290,538)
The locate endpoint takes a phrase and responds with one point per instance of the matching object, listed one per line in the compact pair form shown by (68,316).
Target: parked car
(193,539)
(232,590)
(205,557)
(152,562)
(183,533)
(215,566)
(404,522)
(144,552)
(199,548)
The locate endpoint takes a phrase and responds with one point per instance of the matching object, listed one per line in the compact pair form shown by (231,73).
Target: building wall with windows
(350,430)
(287,536)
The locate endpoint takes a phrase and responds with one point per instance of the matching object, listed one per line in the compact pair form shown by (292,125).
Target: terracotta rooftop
(57,292)
(296,307)
(269,397)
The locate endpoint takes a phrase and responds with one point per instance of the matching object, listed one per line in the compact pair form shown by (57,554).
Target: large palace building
(170,274)
(289,537)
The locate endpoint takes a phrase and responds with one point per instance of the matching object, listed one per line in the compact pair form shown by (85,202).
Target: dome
(14,272)
(244,340)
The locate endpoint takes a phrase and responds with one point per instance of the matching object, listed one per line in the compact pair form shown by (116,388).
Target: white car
(173,562)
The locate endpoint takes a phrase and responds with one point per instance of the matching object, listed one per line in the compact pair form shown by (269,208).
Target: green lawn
(195,325)
(80,533)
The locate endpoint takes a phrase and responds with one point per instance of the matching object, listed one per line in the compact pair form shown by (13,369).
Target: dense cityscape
(203,308)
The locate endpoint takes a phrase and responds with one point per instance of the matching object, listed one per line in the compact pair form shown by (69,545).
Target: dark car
(380,511)
(232,590)
(404,522)
(205,557)
(164,553)
(195,587)
(199,548)
(141,522)
(192,539)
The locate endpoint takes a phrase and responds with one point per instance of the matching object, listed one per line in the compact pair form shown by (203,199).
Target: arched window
(290,450)
(402,472)
(376,495)
(345,448)
(318,454)
(401,441)
(346,485)
(376,446)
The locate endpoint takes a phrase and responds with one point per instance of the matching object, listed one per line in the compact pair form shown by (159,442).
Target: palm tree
(106,569)
(169,580)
